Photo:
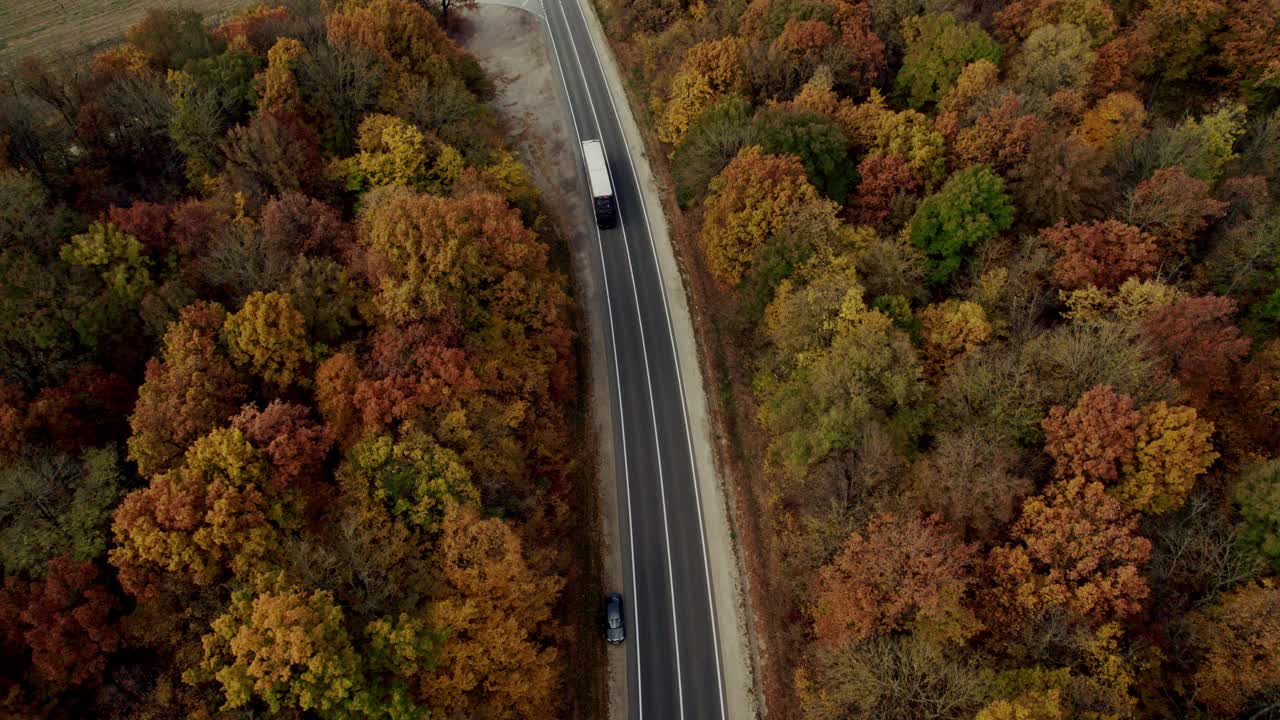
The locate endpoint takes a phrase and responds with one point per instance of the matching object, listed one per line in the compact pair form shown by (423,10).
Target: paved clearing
(63,27)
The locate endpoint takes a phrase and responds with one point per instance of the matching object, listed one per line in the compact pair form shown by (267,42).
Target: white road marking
(666,531)
(626,472)
(679,378)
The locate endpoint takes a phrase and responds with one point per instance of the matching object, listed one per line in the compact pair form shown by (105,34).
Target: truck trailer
(601,189)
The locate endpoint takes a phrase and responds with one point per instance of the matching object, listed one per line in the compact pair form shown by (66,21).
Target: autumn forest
(288,392)
(996,300)
(987,298)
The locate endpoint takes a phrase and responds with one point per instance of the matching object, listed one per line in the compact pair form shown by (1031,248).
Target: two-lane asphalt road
(673,660)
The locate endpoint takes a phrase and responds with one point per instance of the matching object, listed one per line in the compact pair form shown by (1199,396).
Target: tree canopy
(990,296)
(288,373)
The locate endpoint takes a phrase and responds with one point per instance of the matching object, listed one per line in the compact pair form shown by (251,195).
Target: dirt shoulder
(509,41)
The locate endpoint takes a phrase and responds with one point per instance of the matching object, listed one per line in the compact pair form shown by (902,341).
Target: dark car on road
(614,632)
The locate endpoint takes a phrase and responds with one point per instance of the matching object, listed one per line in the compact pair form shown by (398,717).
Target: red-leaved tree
(13,418)
(1200,343)
(295,445)
(1104,253)
(149,222)
(91,408)
(884,178)
(67,621)
(1173,206)
(294,224)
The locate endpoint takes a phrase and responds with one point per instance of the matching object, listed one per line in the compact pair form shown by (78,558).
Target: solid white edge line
(653,411)
(679,376)
(622,420)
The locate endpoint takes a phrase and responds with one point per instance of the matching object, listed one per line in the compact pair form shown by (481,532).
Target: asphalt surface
(674,669)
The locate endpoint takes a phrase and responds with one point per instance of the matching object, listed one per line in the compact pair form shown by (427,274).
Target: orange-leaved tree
(1114,122)
(898,574)
(192,388)
(400,33)
(497,661)
(1096,438)
(248,29)
(1239,636)
(464,259)
(1001,137)
(1076,548)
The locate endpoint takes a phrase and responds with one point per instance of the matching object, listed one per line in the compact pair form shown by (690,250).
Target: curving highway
(673,656)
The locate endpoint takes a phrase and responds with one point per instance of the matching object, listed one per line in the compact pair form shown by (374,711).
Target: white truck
(601,189)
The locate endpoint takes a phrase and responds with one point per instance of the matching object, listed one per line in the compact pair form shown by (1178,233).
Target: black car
(614,632)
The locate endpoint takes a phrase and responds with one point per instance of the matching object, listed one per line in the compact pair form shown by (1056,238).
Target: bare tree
(441,8)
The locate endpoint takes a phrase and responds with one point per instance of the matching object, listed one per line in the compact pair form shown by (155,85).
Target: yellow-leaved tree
(277,86)
(1173,450)
(496,611)
(950,329)
(751,201)
(1031,705)
(393,152)
(710,69)
(293,650)
(268,336)
(1114,122)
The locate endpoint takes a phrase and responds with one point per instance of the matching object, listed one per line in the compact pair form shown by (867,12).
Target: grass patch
(53,28)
